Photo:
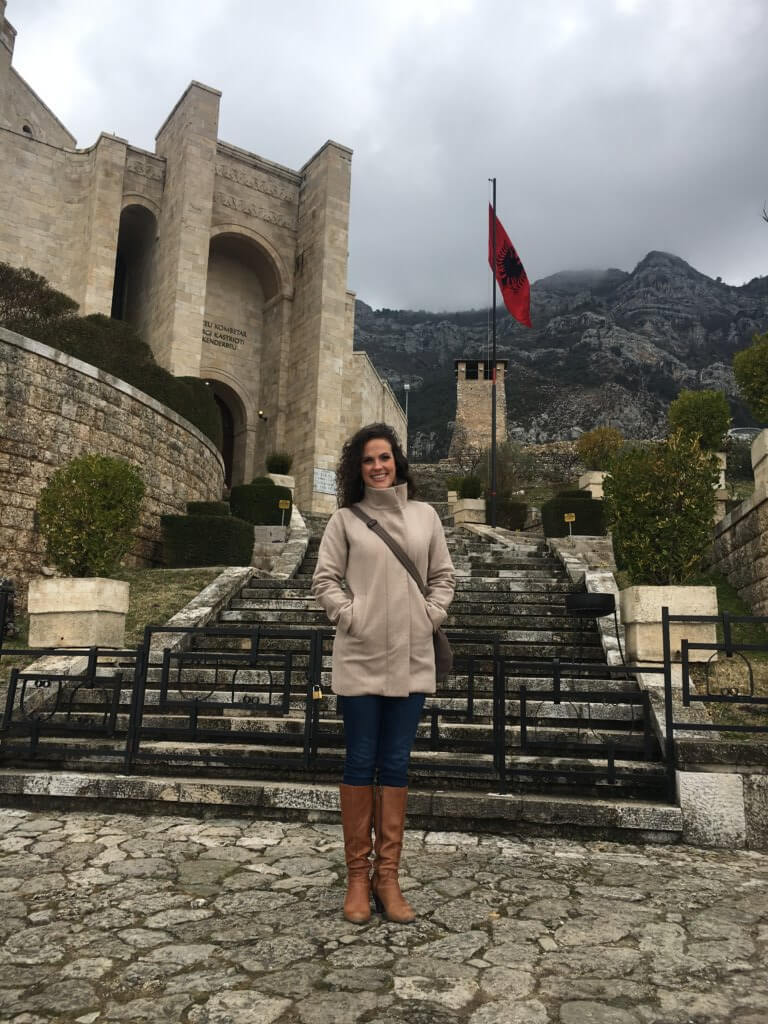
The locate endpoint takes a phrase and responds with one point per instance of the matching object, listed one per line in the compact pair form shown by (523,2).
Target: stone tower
(473,405)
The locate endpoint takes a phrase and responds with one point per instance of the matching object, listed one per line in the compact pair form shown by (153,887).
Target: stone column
(103,224)
(187,140)
(7,40)
(320,341)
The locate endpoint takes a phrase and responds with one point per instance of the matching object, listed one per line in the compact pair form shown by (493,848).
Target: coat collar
(386,497)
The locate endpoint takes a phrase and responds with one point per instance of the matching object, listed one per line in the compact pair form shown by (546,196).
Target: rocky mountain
(607,348)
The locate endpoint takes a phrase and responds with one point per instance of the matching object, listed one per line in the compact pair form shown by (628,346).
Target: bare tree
(466,455)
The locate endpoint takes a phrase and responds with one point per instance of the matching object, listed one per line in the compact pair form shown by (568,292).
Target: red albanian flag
(509,272)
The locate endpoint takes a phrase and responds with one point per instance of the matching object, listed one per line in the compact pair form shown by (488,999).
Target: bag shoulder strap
(394,547)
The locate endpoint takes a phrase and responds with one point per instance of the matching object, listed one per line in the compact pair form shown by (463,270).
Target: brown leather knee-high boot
(388,824)
(357,821)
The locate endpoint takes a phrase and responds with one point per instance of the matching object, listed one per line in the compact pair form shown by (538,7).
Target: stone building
(232,267)
(474,384)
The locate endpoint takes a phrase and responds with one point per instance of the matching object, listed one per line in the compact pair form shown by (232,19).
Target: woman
(383,656)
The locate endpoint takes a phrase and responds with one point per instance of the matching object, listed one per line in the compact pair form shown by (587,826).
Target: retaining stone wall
(55,407)
(740,549)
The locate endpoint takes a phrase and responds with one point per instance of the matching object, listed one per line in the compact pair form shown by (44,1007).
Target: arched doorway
(233,423)
(227,437)
(133,267)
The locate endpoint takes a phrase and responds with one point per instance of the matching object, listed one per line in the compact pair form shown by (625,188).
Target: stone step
(283,757)
(465,601)
(462,617)
(593,726)
(459,809)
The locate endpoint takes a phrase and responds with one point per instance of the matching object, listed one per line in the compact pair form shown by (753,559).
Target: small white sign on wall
(325,481)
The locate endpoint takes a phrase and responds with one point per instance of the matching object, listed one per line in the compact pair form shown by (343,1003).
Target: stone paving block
(713,809)
(540,931)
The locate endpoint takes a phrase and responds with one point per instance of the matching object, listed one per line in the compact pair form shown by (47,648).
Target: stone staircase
(511,598)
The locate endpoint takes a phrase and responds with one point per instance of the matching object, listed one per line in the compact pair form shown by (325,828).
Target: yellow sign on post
(570,517)
(284,503)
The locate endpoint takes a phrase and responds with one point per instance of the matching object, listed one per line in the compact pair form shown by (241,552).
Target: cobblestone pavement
(165,919)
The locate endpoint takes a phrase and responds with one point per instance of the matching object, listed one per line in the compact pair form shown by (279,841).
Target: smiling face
(378,464)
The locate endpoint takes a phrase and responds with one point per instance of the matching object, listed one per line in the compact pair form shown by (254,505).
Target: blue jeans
(379,733)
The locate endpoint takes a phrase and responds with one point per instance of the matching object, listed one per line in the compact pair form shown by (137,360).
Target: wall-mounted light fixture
(262,415)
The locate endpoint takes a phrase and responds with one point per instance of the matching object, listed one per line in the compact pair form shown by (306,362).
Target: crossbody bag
(443,652)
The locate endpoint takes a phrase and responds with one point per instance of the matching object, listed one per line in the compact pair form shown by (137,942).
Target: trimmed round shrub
(279,462)
(208,508)
(589,522)
(470,487)
(597,448)
(702,414)
(509,514)
(88,512)
(259,504)
(206,540)
(660,504)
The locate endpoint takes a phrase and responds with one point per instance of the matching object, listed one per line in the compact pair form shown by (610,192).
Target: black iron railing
(250,698)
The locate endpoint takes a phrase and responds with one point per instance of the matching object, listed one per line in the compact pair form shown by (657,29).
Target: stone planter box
(469,510)
(69,612)
(453,497)
(760,459)
(641,618)
(593,482)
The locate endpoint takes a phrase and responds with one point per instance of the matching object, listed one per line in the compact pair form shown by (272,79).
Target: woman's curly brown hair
(349,481)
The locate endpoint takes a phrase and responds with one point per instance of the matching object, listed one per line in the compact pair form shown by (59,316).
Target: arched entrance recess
(233,422)
(241,340)
(133,267)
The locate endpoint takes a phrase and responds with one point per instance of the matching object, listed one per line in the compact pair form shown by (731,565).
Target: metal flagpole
(493,362)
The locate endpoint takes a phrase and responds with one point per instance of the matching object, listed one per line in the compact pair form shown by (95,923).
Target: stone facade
(474,405)
(233,268)
(740,549)
(55,407)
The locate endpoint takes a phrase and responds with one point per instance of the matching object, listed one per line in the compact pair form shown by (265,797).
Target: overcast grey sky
(613,126)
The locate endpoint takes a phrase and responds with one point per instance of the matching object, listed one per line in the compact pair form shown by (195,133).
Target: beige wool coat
(384,624)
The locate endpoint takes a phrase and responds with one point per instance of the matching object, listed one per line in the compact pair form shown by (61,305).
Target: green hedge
(263,481)
(509,514)
(115,347)
(258,504)
(470,487)
(574,493)
(590,519)
(206,540)
(208,508)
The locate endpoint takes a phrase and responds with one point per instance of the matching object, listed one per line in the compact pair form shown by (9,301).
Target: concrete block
(67,612)
(469,510)
(712,806)
(592,481)
(641,618)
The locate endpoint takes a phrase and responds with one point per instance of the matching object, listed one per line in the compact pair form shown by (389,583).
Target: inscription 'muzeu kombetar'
(223,336)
